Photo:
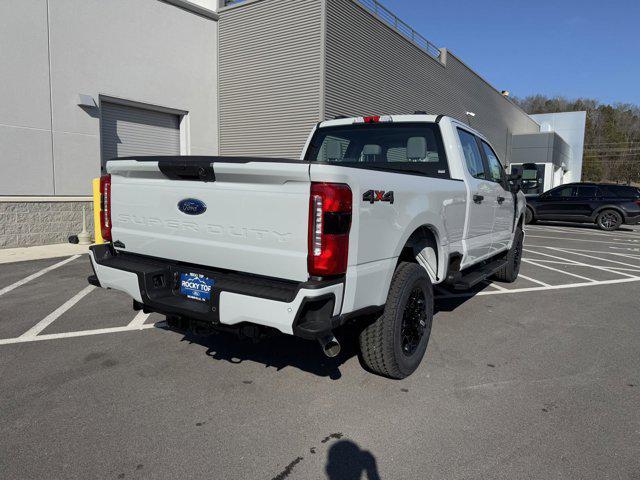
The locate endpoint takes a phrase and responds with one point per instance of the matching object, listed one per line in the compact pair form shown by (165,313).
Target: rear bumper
(310,309)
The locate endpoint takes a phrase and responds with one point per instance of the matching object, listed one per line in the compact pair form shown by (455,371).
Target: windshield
(403,147)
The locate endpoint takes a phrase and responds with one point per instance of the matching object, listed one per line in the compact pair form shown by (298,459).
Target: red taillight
(329,224)
(105,207)
(372,119)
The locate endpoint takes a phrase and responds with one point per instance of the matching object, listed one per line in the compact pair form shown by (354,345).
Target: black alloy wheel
(609,220)
(414,322)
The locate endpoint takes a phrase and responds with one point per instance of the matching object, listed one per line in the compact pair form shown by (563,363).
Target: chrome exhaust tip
(330,345)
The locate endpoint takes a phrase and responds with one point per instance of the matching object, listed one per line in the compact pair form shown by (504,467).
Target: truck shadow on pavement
(450,304)
(277,351)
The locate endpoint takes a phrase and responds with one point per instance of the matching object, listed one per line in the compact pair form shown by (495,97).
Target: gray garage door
(130,131)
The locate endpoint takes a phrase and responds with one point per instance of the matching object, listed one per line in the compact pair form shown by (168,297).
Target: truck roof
(394,118)
(416,117)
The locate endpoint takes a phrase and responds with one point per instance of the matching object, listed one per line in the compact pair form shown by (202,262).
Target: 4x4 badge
(377,196)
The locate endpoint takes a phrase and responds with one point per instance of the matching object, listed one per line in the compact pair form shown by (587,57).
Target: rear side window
(401,147)
(472,155)
(618,191)
(586,191)
(561,192)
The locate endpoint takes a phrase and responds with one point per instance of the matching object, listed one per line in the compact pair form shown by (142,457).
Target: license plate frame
(196,286)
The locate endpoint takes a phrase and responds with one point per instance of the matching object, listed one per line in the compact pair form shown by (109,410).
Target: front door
(555,203)
(481,201)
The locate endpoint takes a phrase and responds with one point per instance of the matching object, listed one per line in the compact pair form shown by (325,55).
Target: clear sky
(571,48)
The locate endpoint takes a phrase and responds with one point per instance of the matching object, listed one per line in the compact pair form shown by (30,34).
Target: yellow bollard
(97,233)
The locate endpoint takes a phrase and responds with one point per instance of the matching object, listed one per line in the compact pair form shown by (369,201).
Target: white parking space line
(53,316)
(628,255)
(497,287)
(82,333)
(589,256)
(618,254)
(618,236)
(556,259)
(533,280)
(37,274)
(556,270)
(554,262)
(139,319)
(545,229)
(539,289)
(564,232)
(567,239)
(625,269)
(579,264)
(584,231)
(567,251)
(558,262)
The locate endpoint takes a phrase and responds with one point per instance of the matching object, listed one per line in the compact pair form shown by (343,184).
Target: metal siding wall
(371,69)
(26,165)
(54,50)
(270,76)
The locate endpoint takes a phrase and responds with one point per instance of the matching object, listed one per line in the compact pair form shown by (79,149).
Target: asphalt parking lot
(535,379)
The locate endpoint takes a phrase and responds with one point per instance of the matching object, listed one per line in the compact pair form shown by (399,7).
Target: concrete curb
(9,255)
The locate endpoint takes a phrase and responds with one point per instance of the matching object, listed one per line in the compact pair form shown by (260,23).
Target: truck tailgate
(256,217)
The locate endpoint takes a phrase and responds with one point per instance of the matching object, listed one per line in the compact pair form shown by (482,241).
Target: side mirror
(515,182)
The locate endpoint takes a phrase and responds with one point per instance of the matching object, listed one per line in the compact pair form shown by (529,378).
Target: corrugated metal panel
(270,76)
(127,131)
(371,69)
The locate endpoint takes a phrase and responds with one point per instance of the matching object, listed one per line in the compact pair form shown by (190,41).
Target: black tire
(509,272)
(528,216)
(609,220)
(395,343)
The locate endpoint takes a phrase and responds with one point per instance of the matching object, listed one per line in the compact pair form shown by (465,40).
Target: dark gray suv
(606,205)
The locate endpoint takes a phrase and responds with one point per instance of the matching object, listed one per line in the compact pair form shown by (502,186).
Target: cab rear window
(414,148)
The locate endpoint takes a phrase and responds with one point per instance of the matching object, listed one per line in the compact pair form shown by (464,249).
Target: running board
(467,281)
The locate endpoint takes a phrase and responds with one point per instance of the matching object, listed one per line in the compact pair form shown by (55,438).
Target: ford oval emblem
(192,206)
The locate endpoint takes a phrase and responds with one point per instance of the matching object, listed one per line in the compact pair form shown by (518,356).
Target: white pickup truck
(376,212)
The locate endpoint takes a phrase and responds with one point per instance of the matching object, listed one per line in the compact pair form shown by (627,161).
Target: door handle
(500,200)
(478,198)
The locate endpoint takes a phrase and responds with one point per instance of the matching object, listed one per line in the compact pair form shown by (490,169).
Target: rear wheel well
(608,207)
(416,250)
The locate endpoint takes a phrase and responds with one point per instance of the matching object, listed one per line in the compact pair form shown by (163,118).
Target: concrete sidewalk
(22,254)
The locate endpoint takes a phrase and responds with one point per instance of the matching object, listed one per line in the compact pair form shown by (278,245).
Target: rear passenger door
(480,210)
(502,200)
(583,202)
